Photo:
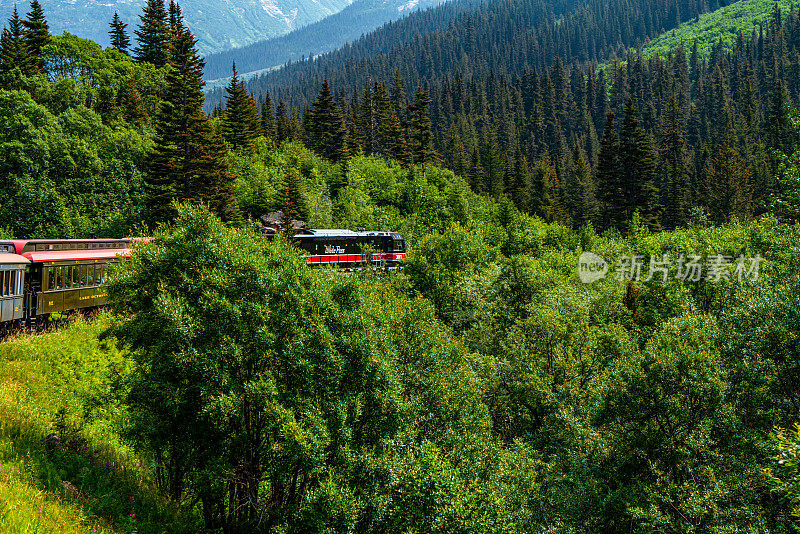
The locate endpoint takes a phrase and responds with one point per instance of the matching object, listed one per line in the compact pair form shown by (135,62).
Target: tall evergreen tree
(37,33)
(581,191)
(130,104)
(727,189)
(328,134)
(118,35)
(189,157)
(267,117)
(674,166)
(638,161)
(609,176)
(153,34)
(240,121)
(14,51)
(419,128)
(175,18)
(293,204)
(283,128)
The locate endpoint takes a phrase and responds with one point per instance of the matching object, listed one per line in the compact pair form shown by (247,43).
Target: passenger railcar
(40,277)
(43,276)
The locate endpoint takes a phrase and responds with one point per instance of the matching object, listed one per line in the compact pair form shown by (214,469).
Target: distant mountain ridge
(332,32)
(218,24)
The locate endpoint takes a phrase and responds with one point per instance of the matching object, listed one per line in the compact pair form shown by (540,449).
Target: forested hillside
(594,329)
(555,137)
(503,37)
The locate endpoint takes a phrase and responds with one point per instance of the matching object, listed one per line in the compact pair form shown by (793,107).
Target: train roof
(21,246)
(342,233)
(7,258)
(77,255)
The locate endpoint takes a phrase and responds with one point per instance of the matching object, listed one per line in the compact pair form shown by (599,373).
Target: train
(39,277)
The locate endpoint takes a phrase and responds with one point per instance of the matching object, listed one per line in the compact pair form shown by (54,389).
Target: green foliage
(785,476)
(66,175)
(249,366)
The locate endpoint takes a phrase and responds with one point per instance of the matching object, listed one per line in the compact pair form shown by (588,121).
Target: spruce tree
(283,129)
(267,117)
(240,121)
(728,184)
(674,167)
(131,104)
(638,161)
(14,51)
(118,35)
(153,34)
(493,168)
(328,133)
(292,202)
(189,158)
(419,128)
(37,33)
(608,176)
(520,189)
(175,18)
(581,191)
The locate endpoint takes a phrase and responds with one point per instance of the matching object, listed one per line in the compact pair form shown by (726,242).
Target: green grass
(91,481)
(723,24)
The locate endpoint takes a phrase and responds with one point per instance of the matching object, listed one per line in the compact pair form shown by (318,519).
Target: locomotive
(43,276)
(345,248)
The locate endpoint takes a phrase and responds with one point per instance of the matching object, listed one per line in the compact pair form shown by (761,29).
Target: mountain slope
(503,36)
(722,25)
(332,32)
(217,24)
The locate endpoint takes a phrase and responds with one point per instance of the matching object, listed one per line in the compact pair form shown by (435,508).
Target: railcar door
(12,287)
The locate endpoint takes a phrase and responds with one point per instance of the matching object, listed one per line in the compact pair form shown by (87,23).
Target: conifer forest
(592,327)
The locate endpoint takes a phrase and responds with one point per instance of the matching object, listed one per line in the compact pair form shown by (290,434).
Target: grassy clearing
(723,24)
(88,480)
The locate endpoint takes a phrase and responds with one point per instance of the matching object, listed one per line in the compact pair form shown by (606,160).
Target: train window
(90,275)
(81,275)
(59,278)
(67,277)
(51,278)
(3,283)
(12,284)
(76,279)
